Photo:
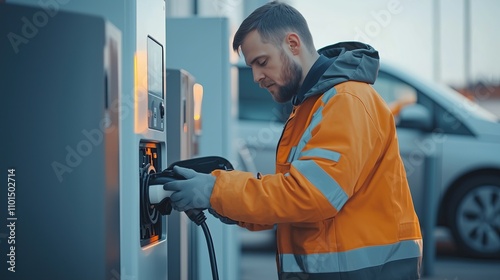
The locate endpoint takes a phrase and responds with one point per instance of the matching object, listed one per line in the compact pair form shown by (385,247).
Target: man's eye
(263,62)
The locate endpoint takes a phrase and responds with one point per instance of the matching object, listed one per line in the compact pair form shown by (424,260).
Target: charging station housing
(61,128)
(182,145)
(93,225)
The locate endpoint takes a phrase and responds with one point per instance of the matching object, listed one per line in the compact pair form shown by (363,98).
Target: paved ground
(260,264)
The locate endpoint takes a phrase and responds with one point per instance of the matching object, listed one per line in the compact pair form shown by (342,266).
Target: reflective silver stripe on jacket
(322,181)
(310,169)
(316,119)
(351,260)
(320,153)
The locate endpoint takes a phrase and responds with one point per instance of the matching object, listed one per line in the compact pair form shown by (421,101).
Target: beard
(292,74)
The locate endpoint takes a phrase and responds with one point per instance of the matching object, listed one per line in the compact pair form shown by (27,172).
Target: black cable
(195,215)
(211,251)
(198,217)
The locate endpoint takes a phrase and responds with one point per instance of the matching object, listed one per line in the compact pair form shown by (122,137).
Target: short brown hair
(273,20)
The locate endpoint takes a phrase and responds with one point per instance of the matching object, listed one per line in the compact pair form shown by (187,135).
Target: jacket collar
(318,68)
(346,61)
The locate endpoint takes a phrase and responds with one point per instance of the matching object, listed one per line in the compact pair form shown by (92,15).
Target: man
(339,199)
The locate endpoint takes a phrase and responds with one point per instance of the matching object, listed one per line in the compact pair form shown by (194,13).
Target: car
(450,147)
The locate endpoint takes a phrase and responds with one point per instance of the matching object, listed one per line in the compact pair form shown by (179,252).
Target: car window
(467,107)
(395,92)
(398,94)
(446,122)
(255,103)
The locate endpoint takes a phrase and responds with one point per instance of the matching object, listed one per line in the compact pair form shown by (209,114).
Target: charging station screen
(155,68)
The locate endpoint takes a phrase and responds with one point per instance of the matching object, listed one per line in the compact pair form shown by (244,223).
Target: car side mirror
(415,116)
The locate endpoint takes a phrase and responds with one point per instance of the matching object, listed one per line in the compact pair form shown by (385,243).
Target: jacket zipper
(292,115)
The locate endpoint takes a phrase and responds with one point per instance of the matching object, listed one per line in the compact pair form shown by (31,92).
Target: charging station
(182,138)
(61,131)
(205,54)
(85,117)
(184,120)
(87,121)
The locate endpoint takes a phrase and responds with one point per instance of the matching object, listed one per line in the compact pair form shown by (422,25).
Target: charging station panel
(156,110)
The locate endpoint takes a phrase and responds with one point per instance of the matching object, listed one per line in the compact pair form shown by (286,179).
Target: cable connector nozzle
(196,215)
(157,194)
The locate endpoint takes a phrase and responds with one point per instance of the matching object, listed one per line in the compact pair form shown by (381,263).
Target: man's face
(272,67)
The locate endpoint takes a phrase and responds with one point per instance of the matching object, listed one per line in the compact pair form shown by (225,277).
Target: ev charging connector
(160,198)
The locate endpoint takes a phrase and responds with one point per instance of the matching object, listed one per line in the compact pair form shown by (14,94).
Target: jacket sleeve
(255,227)
(340,148)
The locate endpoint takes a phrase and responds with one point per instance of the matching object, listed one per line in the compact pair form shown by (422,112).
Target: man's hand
(223,219)
(194,192)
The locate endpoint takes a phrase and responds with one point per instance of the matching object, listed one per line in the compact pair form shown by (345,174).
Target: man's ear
(293,42)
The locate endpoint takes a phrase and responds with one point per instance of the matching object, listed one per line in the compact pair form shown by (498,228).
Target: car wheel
(475,216)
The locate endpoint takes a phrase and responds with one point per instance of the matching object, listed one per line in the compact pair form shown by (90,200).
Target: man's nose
(258,76)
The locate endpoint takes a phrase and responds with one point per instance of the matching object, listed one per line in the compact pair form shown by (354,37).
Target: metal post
(429,214)
(436,30)
(467,45)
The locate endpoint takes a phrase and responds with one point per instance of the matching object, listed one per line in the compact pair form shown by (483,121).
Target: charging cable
(161,198)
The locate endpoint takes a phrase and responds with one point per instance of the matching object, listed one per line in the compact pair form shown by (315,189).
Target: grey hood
(351,61)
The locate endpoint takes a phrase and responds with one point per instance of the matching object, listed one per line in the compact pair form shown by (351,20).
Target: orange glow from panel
(198,98)
(136,105)
(140,91)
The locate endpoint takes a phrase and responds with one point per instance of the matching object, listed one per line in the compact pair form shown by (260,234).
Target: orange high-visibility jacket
(340,198)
